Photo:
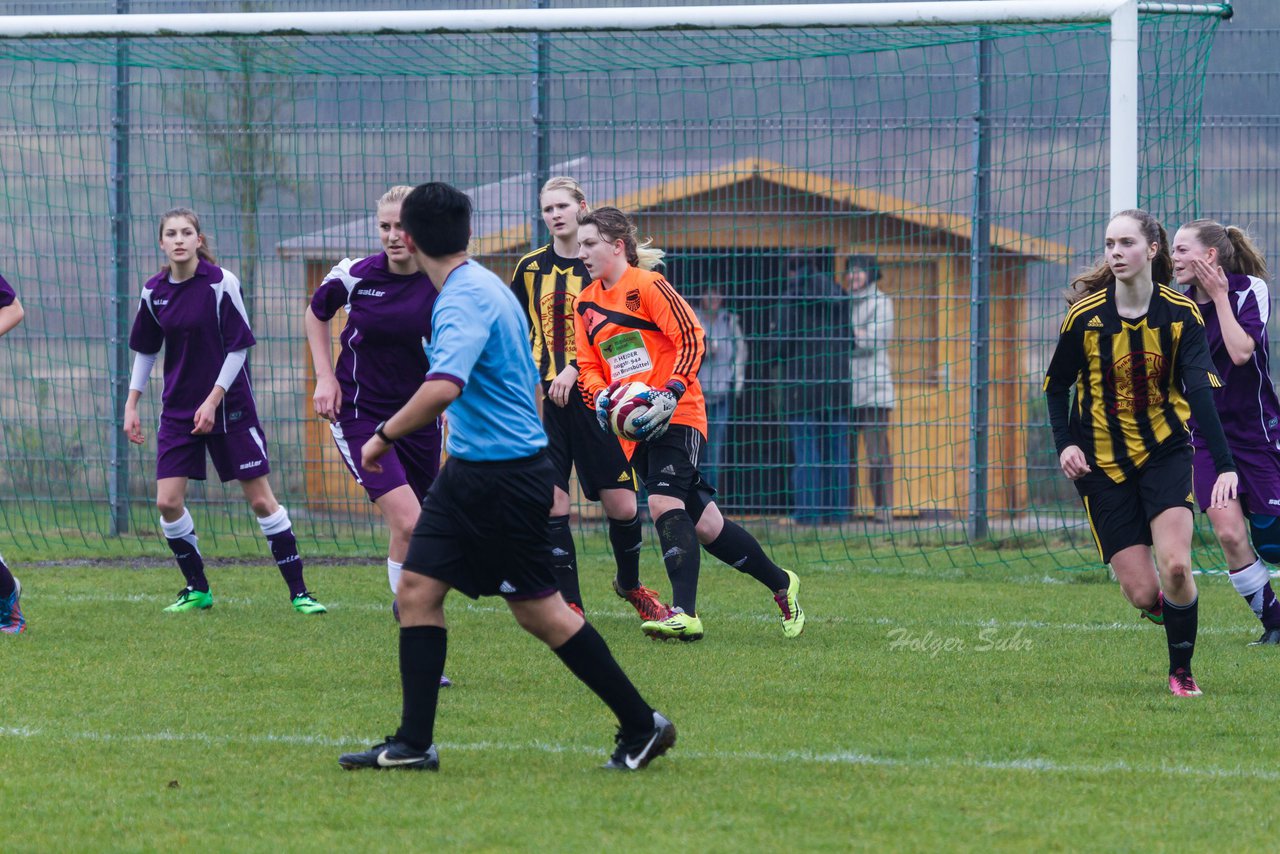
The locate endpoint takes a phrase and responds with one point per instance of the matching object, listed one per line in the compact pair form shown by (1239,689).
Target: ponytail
(1237,253)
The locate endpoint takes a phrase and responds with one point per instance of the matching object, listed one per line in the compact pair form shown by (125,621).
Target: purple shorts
(1259,471)
(241,455)
(413,460)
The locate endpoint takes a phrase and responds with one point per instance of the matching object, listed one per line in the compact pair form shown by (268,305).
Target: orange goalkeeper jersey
(640,330)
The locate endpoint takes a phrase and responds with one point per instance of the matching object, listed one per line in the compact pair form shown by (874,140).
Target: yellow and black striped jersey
(1131,377)
(548,285)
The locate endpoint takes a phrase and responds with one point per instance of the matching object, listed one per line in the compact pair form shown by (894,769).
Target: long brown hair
(204,250)
(613,225)
(1237,253)
(1099,276)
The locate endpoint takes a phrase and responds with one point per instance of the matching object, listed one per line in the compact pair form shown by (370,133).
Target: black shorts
(1120,514)
(574,439)
(483,529)
(668,466)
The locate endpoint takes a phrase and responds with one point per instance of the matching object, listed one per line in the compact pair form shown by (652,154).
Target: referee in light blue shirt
(483,528)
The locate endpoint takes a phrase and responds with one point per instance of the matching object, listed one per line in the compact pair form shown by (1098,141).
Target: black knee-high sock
(7,583)
(181,537)
(564,559)
(742,551)
(588,656)
(284,549)
(627,540)
(679,540)
(1180,624)
(422,654)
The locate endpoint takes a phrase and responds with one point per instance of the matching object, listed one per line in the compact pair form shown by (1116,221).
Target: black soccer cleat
(635,753)
(1270,637)
(393,753)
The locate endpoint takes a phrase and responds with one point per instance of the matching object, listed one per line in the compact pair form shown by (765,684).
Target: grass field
(954,709)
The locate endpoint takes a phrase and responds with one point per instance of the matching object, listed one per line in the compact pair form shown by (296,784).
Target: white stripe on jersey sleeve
(1261,295)
(231,285)
(146,300)
(342,273)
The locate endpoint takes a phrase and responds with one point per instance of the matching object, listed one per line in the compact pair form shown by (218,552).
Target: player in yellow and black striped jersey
(1135,351)
(547,282)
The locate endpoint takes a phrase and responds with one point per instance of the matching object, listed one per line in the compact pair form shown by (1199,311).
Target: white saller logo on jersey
(370,292)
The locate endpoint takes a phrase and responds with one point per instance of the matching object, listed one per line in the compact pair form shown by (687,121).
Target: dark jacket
(812,338)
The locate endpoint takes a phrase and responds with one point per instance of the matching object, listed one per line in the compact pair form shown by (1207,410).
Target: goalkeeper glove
(603,399)
(662,405)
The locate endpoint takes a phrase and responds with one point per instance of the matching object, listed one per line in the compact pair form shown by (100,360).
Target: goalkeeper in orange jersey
(631,325)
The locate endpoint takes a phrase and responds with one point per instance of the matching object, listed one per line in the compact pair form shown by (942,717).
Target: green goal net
(967,164)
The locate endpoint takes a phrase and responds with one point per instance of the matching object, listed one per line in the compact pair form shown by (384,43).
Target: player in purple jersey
(1226,274)
(547,282)
(193,310)
(382,363)
(11,620)
(388,303)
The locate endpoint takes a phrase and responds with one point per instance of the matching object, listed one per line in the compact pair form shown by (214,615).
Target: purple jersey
(382,362)
(7,296)
(1246,402)
(197,322)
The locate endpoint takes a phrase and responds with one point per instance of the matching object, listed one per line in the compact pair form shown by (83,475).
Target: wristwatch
(377,431)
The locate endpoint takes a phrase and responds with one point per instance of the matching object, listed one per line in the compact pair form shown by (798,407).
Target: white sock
(277,523)
(181,529)
(394,569)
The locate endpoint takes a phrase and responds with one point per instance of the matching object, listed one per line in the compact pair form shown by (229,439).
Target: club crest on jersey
(1137,378)
(633,299)
(555,312)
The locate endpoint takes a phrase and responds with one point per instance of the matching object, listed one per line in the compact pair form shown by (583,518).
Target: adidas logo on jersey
(533,267)
(506,587)
(1094,321)
(668,470)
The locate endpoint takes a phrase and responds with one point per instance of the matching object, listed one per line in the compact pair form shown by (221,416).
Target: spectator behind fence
(812,341)
(873,396)
(723,375)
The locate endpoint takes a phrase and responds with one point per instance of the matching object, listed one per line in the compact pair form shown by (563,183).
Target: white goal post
(1122,15)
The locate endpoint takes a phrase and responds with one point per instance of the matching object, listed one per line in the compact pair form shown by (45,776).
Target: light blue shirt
(480,340)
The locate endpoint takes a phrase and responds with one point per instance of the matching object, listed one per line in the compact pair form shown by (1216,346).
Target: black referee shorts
(1120,514)
(483,528)
(574,439)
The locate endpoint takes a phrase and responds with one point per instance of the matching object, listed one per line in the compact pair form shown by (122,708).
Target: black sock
(190,562)
(588,656)
(679,540)
(1180,624)
(284,548)
(7,582)
(422,653)
(741,551)
(564,559)
(627,540)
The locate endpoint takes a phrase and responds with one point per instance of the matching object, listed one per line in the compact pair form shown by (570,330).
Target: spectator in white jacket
(873,396)
(723,375)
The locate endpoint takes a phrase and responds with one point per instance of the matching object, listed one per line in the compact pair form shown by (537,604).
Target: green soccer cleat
(191,600)
(677,626)
(792,613)
(305,603)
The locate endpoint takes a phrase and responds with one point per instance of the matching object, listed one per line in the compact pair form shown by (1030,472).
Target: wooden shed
(731,224)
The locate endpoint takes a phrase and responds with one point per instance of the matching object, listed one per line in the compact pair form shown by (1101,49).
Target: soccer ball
(624,409)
